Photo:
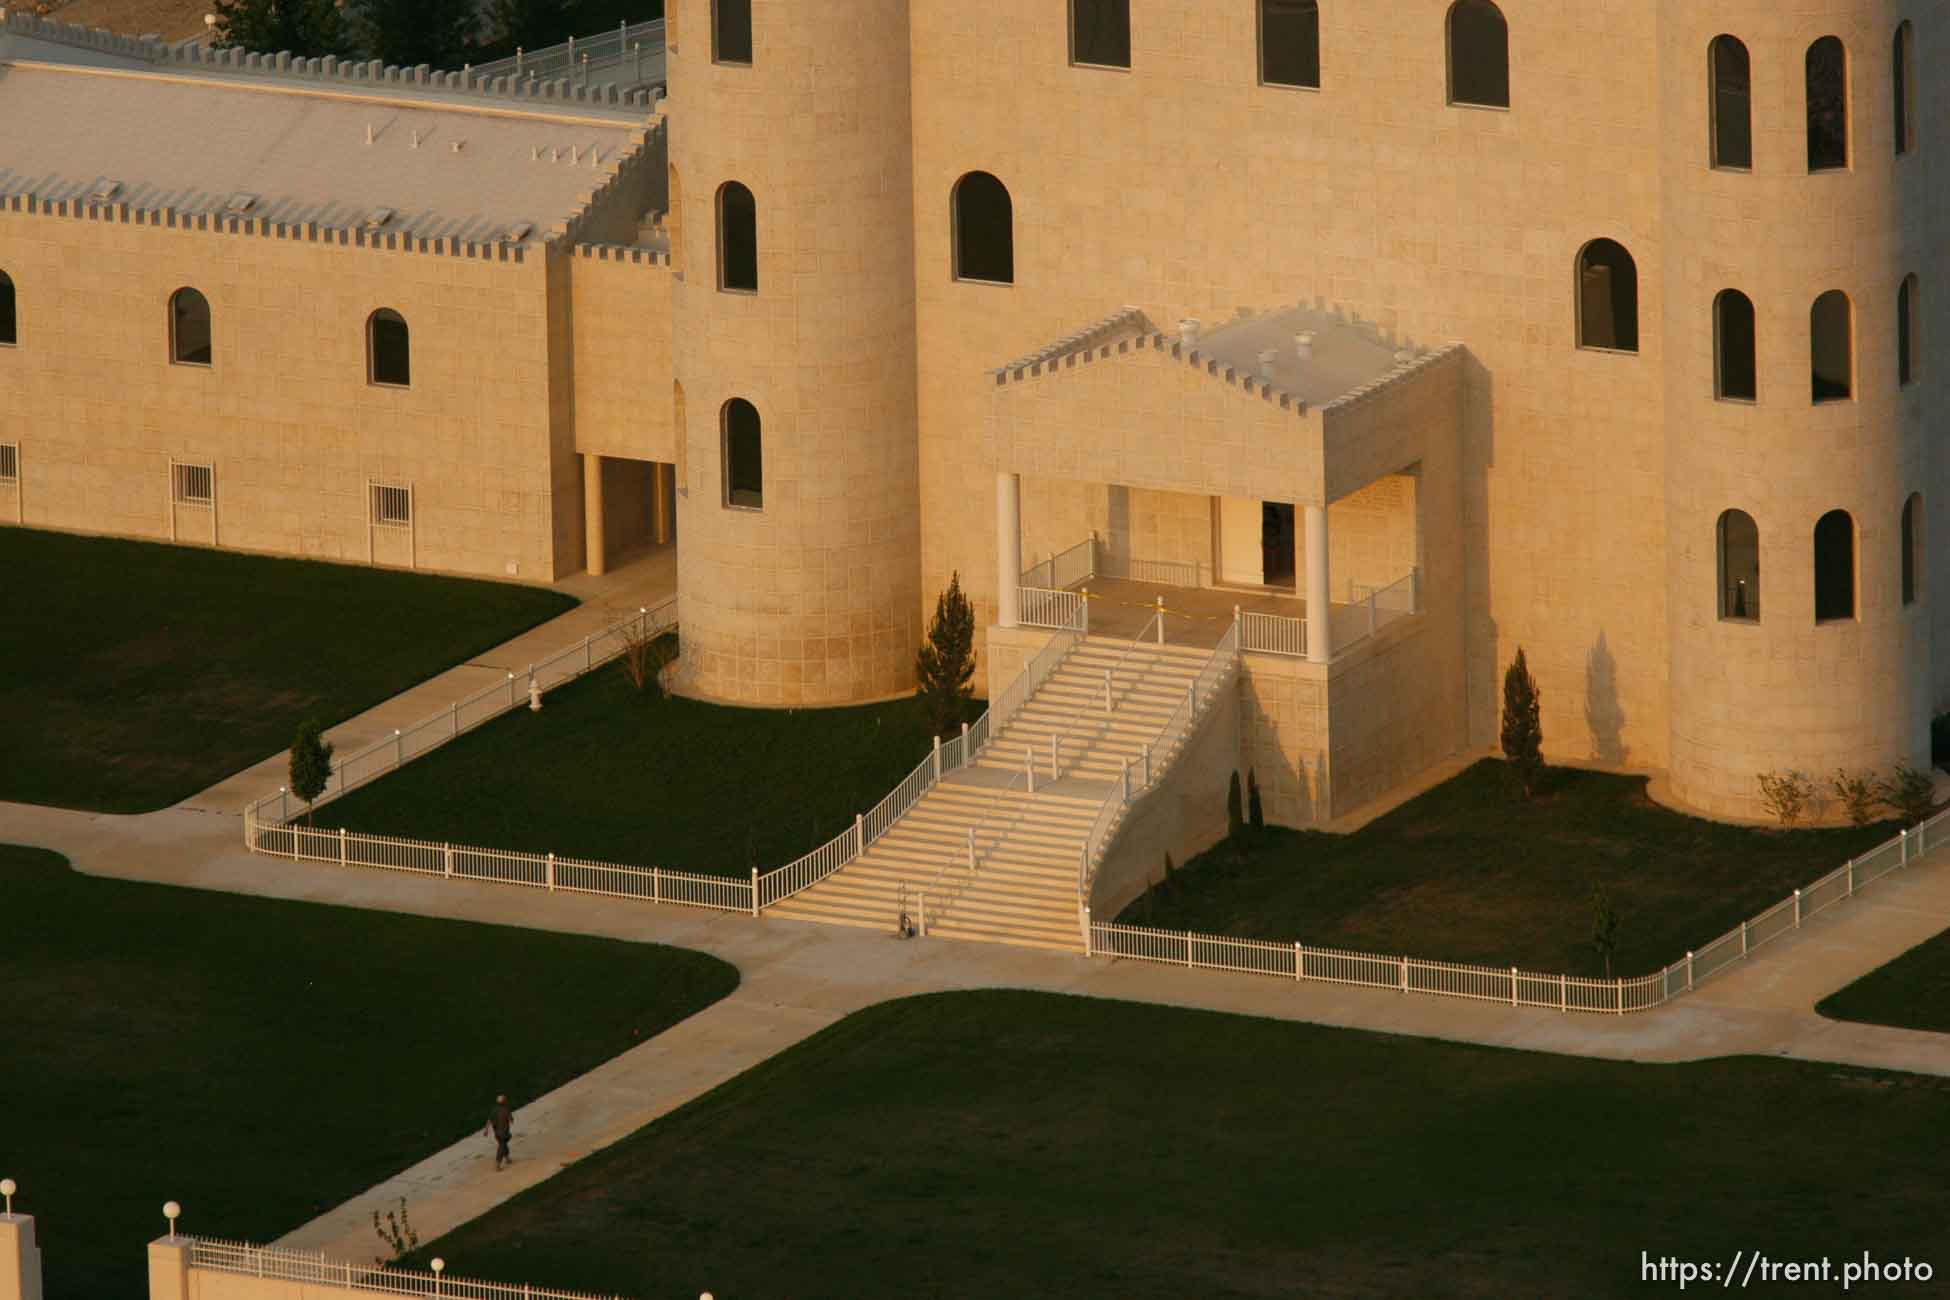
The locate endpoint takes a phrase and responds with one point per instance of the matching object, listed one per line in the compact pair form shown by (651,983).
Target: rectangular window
(1100,33)
(731,31)
(192,485)
(10,464)
(1289,43)
(392,507)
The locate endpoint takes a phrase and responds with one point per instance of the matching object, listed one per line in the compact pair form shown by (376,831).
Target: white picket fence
(316,1269)
(1519,988)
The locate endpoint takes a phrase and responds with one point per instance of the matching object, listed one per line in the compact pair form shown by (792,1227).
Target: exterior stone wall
(621,342)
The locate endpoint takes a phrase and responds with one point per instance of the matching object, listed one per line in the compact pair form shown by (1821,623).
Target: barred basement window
(10,464)
(392,507)
(192,485)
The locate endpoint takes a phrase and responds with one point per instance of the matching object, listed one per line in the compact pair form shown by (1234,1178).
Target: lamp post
(172,1211)
(439,1267)
(7,1189)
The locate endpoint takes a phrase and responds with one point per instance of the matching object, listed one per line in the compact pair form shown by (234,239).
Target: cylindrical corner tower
(790,141)
(1797,463)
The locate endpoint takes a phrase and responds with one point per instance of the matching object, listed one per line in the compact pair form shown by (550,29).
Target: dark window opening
(1834,567)
(1912,547)
(1827,105)
(1736,377)
(1739,566)
(731,31)
(189,328)
(389,353)
(985,241)
(1289,43)
(1733,122)
(1906,318)
(1831,329)
(1608,297)
(1900,84)
(1100,33)
(9,325)
(737,239)
(1479,55)
(744,456)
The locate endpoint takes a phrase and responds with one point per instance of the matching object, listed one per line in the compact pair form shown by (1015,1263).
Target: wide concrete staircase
(1023,888)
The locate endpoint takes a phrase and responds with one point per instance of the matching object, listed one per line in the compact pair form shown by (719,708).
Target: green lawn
(608,772)
(262,1061)
(1911,992)
(1468,873)
(151,672)
(1004,1144)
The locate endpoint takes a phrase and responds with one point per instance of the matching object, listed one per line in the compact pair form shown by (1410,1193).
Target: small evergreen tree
(1255,813)
(945,664)
(1523,728)
(1604,925)
(307,28)
(1235,810)
(311,764)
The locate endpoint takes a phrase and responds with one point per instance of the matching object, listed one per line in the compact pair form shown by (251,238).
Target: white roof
(191,140)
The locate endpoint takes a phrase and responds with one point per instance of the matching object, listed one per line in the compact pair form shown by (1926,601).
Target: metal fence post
(859,834)
(1188,935)
(1618,996)
(341,846)
(1161,620)
(447,859)
(754,891)
(1299,962)
(1689,971)
(1851,879)
(1563,999)
(551,873)
(399,748)
(1513,986)
(1108,707)
(656,885)
(1404,973)
(1905,861)
(1797,909)
(937,758)
(1743,938)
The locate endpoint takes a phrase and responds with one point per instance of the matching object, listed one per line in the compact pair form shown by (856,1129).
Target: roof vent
(378,217)
(240,202)
(105,190)
(516,233)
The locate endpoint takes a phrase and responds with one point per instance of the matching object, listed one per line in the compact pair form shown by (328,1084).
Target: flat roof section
(305,151)
(1345,355)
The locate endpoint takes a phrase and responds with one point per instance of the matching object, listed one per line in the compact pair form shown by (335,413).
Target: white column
(1319,605)
(592,515)
(1008,549)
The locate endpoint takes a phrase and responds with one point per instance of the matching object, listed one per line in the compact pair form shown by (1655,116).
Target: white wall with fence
(205,1268)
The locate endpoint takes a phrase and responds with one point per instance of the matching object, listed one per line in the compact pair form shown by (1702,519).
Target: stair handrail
(1110,689)
(1212,675)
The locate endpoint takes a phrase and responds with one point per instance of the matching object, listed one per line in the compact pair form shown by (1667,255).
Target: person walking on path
(501,1123)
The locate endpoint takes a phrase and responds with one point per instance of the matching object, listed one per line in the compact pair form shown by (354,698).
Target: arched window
(1913,548)
(389,351)
(1100,33)
(1479,55)
(1608,297)
(189,328)
(985,239)
(1831,331)
(1908,315)
(737,239)
(1739,539)
(1289,43)
(1827,105)
(1834,567)
(9,323)
(1735,378)
(1902,56)
(1732,107)
(731,31)
(744,456)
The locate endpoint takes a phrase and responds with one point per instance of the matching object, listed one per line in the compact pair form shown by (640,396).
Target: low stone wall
(20,1258)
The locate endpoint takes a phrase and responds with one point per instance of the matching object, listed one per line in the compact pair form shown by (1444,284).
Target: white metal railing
(1047,607)
(576,58)
(1273,634)
(1168,573)
(1155,625)
(318,1269)
(1033,675)
(1373,608)
(351,771)
(1065,568)
(1509,984)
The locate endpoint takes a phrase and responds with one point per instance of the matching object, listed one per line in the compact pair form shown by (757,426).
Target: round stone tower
(799,564)
(1773,667)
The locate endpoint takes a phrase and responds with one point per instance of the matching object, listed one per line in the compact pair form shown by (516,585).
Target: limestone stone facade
(1561,498)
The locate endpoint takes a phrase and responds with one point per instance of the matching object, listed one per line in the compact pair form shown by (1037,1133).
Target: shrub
(1523,728)
(1255,812)
(396,1233)
(1235,810)
(1860,794)
(1786,795)
(1604,924)
(1910,794)
(311,763)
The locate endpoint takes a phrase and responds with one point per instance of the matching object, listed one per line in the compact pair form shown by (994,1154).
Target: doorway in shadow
(1276,543)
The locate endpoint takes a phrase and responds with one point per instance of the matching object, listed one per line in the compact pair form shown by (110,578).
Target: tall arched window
(9,323)
(984,233)
(1903,75)
(189,328)
(1735,378)
(1733,110)
(1608,297)
(389,351)
(1100,33)
(1289,43)
(737,239)
(731,31)
(1831,332)
(1913,548)
(1827,105)
(1479,55)
(1834,566)
(744,456)
(1908,315)
(1739,541)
